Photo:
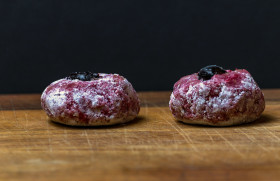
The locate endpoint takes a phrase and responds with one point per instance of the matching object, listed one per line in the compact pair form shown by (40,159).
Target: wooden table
(152,147)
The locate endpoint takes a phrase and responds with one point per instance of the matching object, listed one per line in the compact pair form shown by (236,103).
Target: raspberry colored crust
(226,99)
(107,100)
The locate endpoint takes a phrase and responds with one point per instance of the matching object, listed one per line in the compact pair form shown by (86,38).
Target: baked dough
(225,99)
(106,100)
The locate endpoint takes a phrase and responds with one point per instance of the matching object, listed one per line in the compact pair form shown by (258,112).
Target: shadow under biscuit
(137,120)
(263,120)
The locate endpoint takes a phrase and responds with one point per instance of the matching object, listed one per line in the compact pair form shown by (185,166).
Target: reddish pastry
(90,99)
(217,97)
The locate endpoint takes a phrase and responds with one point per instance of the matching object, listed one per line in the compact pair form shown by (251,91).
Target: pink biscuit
(226,99)
(108,100)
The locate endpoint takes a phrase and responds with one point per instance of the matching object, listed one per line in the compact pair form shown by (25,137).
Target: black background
(151,43)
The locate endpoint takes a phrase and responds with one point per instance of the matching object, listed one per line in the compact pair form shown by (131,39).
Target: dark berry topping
(209,71)
(84,76)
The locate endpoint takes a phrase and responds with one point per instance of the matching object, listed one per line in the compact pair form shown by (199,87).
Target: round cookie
(90,99)
(217,97)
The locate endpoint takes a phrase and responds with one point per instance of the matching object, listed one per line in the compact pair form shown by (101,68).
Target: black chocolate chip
(209,71)
(84,76)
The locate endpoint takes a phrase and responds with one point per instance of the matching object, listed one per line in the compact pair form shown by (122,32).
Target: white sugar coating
(203,105)
(79,97)
(108,97)
(55,99)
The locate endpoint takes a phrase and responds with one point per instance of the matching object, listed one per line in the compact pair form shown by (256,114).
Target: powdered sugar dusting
(218,99)
(56,99)
(109,97)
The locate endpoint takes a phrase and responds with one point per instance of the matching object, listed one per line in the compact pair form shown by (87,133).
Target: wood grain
(152,147)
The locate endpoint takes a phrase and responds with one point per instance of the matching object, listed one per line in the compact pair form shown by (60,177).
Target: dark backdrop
(151,43)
